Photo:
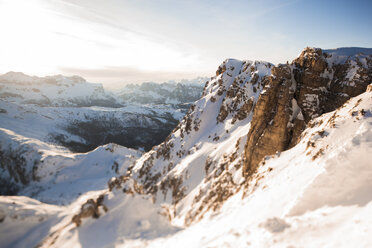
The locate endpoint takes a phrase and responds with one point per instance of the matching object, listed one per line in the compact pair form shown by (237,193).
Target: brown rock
(369,88)
(89,209)
(269,132)
(316,86)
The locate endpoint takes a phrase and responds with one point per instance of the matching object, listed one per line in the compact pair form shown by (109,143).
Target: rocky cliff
(315,83)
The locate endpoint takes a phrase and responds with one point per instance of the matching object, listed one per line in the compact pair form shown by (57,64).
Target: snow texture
(317,194)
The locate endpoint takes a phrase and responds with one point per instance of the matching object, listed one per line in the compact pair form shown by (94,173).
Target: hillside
(269,156)
(82,129)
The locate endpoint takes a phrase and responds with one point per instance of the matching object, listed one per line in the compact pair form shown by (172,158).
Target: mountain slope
(82,129)
(295,198)
(248,111)
(54,175)
(258,160)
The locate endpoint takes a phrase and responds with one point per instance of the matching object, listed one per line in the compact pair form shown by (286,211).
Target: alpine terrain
(268,156)
(81,116)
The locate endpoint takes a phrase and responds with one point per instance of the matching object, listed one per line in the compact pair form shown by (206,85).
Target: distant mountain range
(62,91)
(81,116)
(185,91)
(56,91)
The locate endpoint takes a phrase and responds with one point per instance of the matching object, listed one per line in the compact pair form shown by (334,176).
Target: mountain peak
(13,76)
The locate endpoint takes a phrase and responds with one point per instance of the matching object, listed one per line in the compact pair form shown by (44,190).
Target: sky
(115,42)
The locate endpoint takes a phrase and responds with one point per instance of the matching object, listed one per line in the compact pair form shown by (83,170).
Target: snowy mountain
(52,174)
(185,91)
(81,116)
(62,91)
(54,91)
(269,156)
(82,129)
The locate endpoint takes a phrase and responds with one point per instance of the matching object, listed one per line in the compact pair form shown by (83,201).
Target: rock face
(273,119)
(314,83)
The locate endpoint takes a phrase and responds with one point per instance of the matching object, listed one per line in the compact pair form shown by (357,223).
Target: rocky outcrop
(313,84)
(91,208)
(369,88)
(272,123)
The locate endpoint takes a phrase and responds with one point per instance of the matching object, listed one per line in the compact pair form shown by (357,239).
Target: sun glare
(24,40)
(39,38)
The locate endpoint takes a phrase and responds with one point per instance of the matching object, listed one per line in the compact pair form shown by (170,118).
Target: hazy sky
(120,41)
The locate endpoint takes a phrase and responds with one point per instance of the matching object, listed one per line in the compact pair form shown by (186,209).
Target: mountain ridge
(148,169)
(257,160)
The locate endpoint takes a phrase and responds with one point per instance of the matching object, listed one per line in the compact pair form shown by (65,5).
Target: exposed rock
(369,88)
(315,83)
(269,130)
(89,209)
(221,69)
(310,84)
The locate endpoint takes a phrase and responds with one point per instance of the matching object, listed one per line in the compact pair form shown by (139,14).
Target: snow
(40,122)
(308,196)
(296,111)
(142,220)
(300,201)
(26,218)
(170,92)
(352,72)
(64,176)
(53,90)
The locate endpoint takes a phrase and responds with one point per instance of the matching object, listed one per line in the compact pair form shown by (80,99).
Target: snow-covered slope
(54,175)
(82,129)
(308,125)
(308,196)
(294,199)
